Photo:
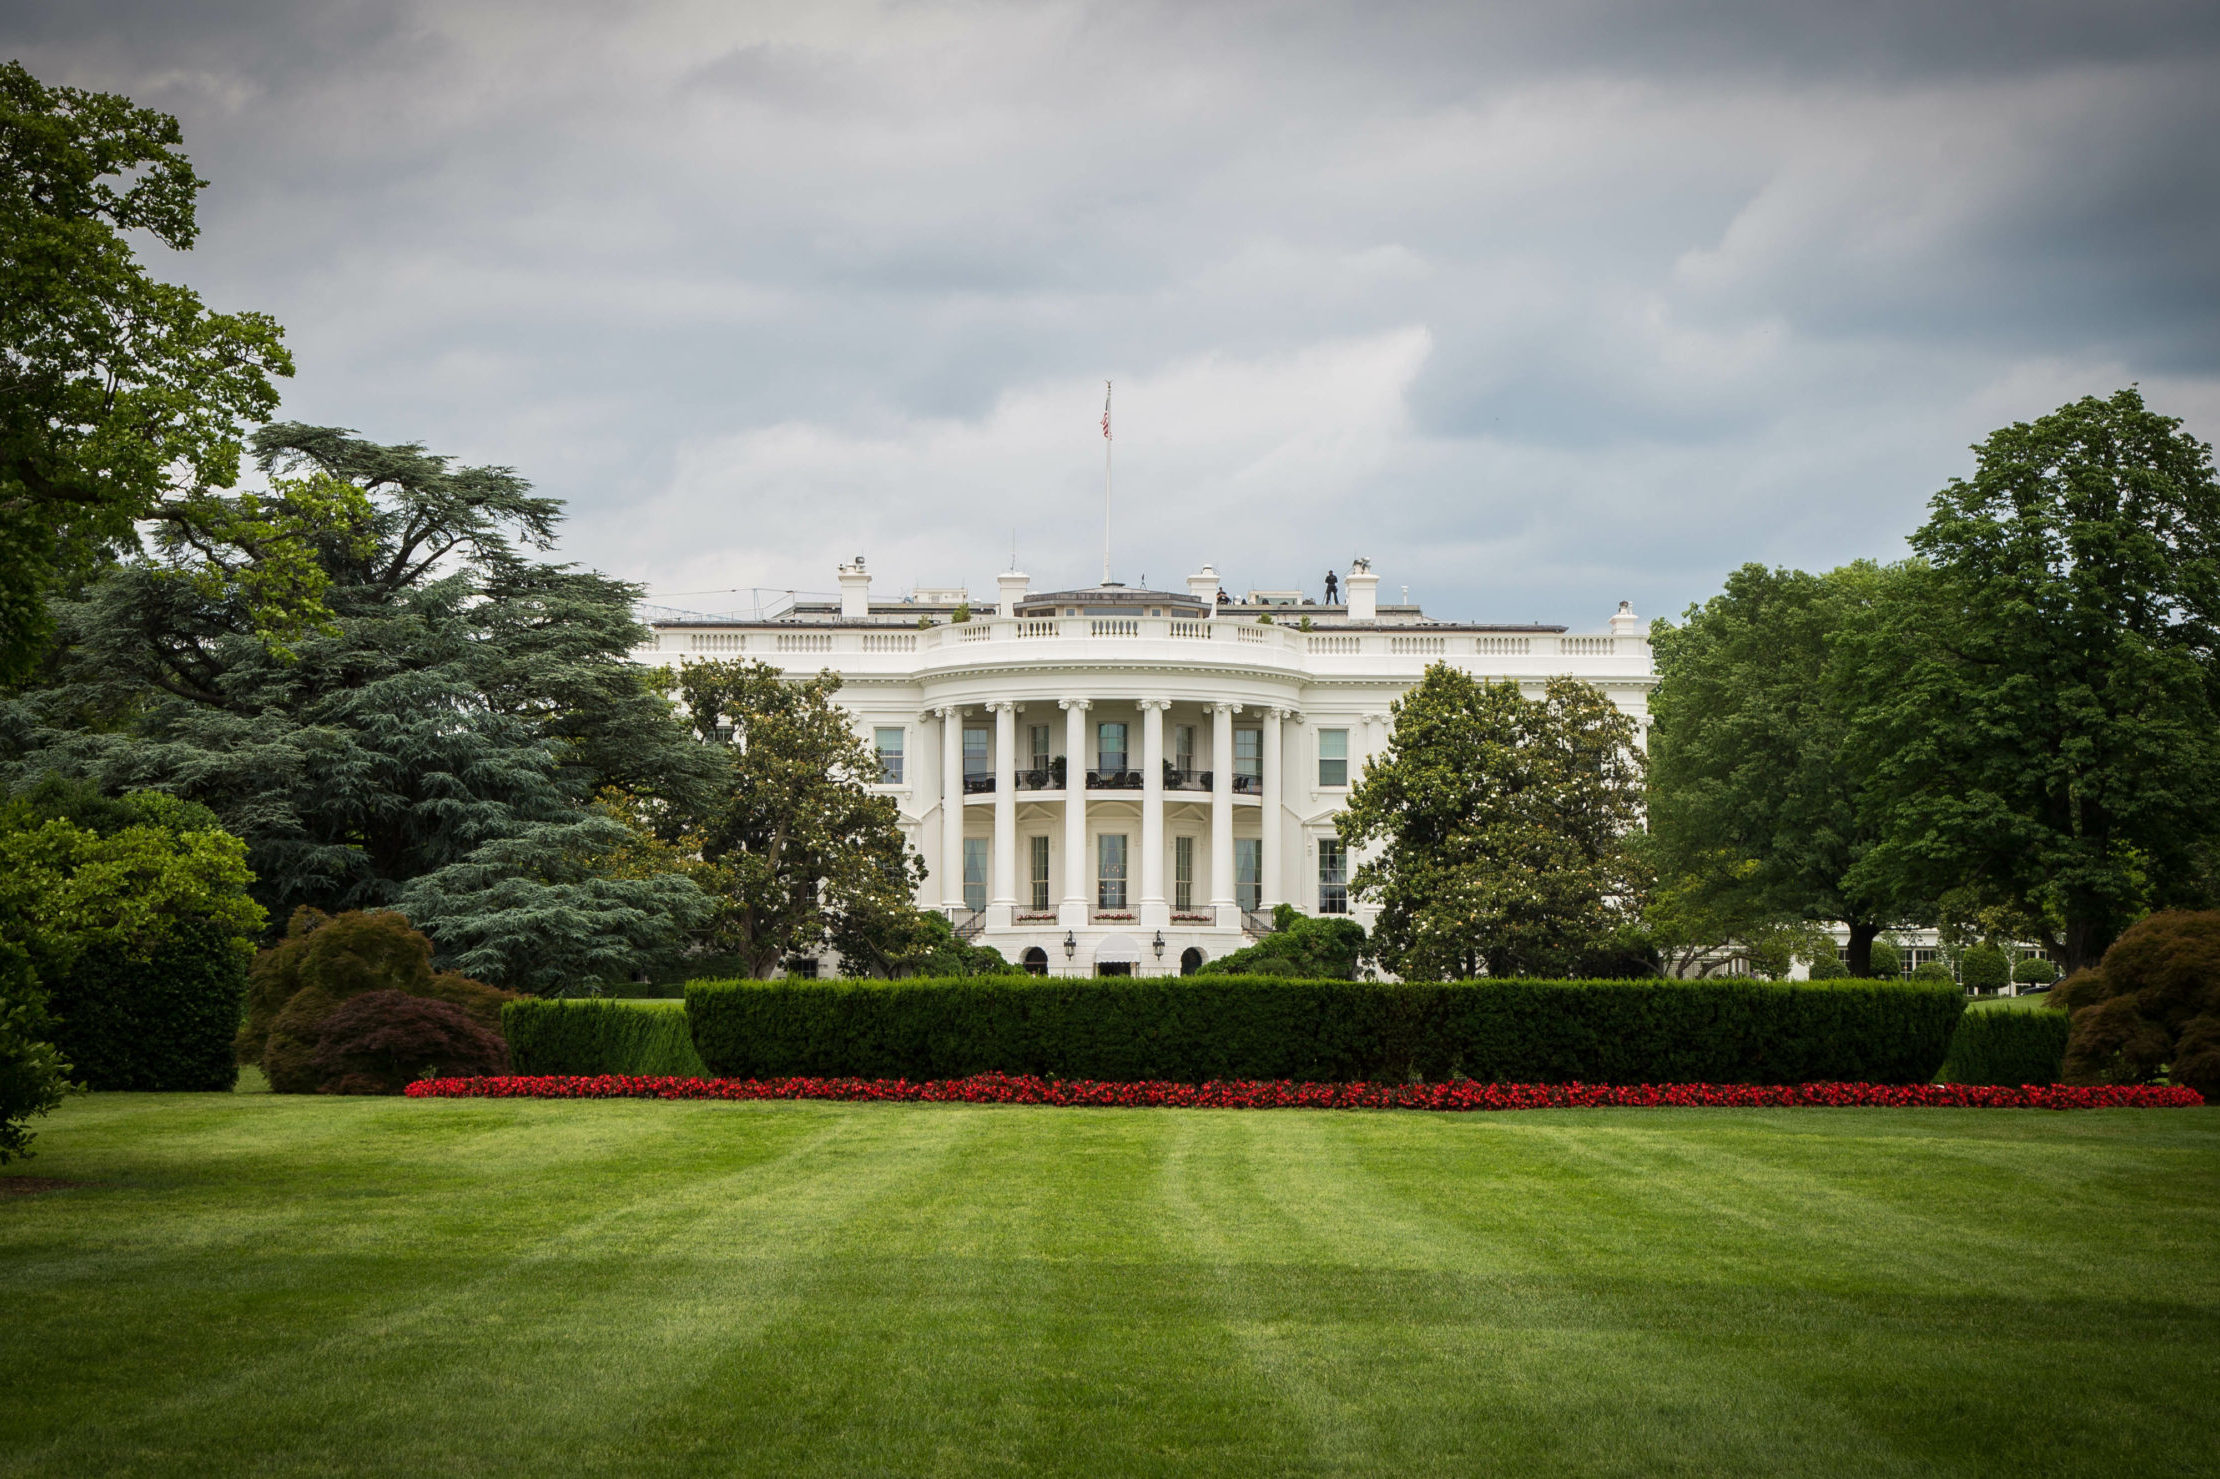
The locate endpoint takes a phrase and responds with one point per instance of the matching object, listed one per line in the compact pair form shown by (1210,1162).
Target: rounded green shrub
(1931,970)
(1985,969)
(1829,967)
(1886,962)
(2034,971)
(323,962)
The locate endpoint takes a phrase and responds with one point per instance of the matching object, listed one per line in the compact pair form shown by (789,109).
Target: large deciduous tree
(435,746)
(795,849)
(1758,812)
(1502,826)
(2045,732)
(121,398)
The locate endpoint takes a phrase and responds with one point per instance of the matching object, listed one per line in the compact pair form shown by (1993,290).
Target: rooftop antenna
(1105,482)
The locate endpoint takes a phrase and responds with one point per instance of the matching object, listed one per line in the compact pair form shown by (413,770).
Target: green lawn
(252,1284)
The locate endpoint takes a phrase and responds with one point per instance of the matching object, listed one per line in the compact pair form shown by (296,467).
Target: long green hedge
(588,1036)
(2007,1047)
(1226,1027)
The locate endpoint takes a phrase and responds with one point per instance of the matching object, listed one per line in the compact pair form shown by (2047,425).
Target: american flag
(1106,410)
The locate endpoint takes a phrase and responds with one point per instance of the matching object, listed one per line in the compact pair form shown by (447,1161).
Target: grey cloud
(1701,283)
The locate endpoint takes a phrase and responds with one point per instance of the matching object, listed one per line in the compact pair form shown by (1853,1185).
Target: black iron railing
(1177,778)
(978,785)
(1115,779)
(1247,785)
(1049,777)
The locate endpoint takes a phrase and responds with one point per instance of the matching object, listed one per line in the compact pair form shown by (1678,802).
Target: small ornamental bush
(1829,967)
(33,1077)
(1193,1029)
(2151,1007)
(1985,969)
(2007,1047)
(2034,971)
(380,1041)
(325,961)
(1465,1095)
(1931,970)
(591,1037)
(1887,962)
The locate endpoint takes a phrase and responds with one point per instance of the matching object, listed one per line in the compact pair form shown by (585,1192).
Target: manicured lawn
(257,1284)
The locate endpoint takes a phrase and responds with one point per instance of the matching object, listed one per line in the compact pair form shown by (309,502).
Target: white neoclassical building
(1117,780)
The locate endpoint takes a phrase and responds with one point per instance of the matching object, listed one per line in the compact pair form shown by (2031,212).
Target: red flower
(1463,1095)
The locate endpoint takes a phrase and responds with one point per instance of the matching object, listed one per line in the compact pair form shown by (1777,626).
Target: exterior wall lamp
(1071,944)
(1157,944)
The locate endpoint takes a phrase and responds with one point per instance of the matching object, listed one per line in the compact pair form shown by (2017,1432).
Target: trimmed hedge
(162,1022)
(1196,1029)
(586,1036)
(2008,1047)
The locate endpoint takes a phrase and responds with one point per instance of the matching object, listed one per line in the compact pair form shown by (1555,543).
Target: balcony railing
(1247,785)
(1114,778)
(978,785)
(1178,778)
(1048,777)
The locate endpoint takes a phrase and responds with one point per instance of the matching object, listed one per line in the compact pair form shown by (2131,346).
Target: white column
(1155,912)
(1275,781)
(951,808)
(1221,814)
(927,781)
(1003,900)
(1079,869)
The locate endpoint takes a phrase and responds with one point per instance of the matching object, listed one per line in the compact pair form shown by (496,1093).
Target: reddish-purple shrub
(2151,1007)
(380,1041)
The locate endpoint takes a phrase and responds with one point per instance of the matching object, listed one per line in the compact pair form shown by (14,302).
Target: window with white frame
(1038,860)
(1183,872)
(975,872)
(975,754)
(1183,746)
(1110,870)
(1110,746)
(1248,753)
(887,739)
(1333,877)
(1248,872)
(1037,746)
(1333,757)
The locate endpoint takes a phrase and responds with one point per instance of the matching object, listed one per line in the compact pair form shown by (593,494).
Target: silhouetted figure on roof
(1332,582)
(1223,598)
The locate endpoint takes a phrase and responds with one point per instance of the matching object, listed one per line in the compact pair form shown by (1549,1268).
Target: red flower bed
(1000,1088)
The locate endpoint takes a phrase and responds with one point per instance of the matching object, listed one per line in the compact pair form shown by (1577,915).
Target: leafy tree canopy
(904,940)
(1503,826)
(1757,813)
(793,847)
(436,747)
(121,397)
(2043,731)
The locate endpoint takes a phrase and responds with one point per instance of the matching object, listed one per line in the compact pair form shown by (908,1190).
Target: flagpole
(1105,482)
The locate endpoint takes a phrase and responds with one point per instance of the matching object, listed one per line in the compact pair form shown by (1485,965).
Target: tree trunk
(2083,946)
(1859,957)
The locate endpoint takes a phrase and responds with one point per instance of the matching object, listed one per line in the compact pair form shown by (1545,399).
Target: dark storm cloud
(1538,305)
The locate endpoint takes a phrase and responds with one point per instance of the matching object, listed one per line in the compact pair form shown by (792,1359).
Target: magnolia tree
(1498,829)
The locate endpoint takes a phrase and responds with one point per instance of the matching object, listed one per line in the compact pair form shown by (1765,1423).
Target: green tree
(900,939)
(437,748)
(139,928)
(1503,827)
(33,1074)
(1757,812)
(121,397)
(795,848)
(1300,945)
(2043,734)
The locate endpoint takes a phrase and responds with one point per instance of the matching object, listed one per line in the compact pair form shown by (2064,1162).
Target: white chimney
(1203,586)
(1013,586)
(1364,592)
(855,590)
(1626,623)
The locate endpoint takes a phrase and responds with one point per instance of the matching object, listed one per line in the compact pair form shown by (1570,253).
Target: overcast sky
(1539,306)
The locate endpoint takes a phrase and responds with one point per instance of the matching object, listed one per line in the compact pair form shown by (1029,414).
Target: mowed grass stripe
(370,1288)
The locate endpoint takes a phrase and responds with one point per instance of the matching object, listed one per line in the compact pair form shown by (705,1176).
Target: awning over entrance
(1118,950)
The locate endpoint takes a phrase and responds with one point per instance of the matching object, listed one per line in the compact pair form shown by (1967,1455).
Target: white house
(1116,780)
